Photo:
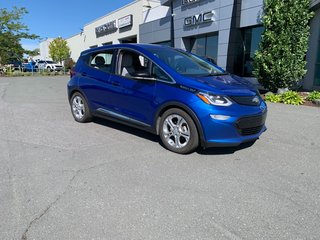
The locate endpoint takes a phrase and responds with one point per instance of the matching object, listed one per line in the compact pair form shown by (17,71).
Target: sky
(60,18)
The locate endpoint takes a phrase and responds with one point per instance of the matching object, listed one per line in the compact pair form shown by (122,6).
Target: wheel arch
(183,107)
(73,91)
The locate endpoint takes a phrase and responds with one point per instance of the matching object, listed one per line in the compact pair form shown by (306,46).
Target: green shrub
(313,96)
(289,97)
(292,97)
(275,98)
(280,61)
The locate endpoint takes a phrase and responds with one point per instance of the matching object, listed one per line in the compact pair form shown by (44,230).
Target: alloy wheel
(176,131)
(78,107)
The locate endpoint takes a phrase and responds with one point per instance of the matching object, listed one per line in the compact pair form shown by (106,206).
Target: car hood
(225,84)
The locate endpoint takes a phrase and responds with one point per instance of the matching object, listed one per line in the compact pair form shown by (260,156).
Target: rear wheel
(79,108)
(178,131)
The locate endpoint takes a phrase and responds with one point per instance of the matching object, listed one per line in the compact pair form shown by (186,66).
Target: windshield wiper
(219,74)
(215,74)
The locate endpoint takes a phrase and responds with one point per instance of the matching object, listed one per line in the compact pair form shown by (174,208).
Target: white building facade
(44,50)
(120,26)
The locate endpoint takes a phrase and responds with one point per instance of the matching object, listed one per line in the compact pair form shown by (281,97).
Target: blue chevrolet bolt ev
(169,92)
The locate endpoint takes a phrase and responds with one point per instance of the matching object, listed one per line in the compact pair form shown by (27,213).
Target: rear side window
(102,61)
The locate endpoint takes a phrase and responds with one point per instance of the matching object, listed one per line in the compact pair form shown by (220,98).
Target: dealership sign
(106,28)
(125,21)
(199,19)
(186,2)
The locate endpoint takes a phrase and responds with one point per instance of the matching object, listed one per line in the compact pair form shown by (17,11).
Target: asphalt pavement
(60,179)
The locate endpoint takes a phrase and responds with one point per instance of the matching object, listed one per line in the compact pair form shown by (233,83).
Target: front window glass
(317,71)
(252,38)
(133,64)
(205,46)
(199,46)
(159,74)
(186,63)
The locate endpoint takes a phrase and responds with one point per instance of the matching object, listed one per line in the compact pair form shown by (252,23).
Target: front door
(134,90)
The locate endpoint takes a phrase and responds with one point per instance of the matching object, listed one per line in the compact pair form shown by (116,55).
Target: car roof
(135,46)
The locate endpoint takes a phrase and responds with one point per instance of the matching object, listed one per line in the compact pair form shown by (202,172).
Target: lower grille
(251,125)
(250,131)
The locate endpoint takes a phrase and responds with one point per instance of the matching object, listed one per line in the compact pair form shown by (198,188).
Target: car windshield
(186,63)
(50,62)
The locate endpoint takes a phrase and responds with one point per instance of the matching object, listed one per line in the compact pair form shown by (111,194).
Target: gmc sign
(199,18)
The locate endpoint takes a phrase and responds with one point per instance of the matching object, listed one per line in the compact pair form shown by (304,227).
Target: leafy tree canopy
(12,30)
(33,52)
(280,61)
(59,50)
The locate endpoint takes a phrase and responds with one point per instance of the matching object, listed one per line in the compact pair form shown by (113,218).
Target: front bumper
(246,124)
(232,142)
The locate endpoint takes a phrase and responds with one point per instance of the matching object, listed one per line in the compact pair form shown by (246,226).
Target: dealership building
(120,26)
(227,31)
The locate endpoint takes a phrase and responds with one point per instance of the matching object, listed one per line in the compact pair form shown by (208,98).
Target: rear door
(95,74)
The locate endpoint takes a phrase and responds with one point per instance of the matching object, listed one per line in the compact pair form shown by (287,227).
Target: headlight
(214,99)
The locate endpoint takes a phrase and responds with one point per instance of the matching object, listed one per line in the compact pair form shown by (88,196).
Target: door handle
(115,83)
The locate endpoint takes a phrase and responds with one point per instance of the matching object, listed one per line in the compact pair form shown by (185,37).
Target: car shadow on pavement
(154,138)
(224,150)
(127,129)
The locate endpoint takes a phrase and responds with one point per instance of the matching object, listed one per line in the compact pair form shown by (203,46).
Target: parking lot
(63,180)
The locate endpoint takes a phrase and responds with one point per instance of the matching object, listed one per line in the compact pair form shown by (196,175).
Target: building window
(129,40)
(252,38)
(205,46)
(317,71)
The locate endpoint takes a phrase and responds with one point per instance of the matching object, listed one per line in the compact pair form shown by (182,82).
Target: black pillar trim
(172,25)
(235,46)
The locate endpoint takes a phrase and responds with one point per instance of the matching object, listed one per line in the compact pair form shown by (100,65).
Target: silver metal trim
(120,116)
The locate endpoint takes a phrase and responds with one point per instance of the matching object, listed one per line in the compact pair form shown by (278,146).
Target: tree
(59,50)
(33,52)
(69,63)
(280,61)
(11,33)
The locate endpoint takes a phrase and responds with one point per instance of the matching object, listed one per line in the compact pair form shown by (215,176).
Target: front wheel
(79,108)
(178,131)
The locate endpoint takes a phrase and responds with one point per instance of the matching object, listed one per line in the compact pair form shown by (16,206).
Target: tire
(79,108)
(178,131)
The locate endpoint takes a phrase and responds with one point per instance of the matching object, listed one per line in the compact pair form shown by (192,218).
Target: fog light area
(219,117)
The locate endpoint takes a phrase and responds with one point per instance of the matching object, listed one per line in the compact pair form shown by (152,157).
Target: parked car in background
(48,65)
(169,92)
(29,67)
(15,65)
